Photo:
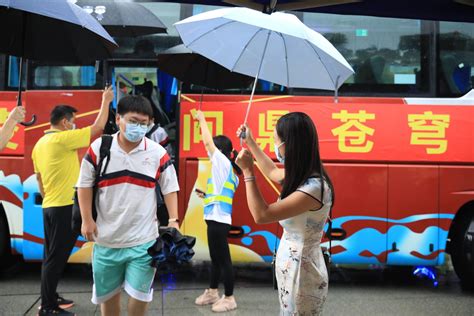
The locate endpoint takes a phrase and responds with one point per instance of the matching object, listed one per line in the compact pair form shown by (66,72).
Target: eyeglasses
(135,123)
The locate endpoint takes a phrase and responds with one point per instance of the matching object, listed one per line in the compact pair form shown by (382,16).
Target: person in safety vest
(221,186)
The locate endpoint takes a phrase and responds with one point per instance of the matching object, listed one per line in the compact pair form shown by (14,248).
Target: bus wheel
(462,250)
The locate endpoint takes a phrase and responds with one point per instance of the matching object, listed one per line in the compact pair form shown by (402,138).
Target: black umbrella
(122,18)
(53,30)
(189,67)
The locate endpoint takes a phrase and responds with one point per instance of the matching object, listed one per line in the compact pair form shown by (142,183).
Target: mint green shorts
(114,268)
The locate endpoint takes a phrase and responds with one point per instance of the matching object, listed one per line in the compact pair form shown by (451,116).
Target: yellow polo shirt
(56,159)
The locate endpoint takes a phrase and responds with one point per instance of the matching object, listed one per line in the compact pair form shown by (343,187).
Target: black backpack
(76,211)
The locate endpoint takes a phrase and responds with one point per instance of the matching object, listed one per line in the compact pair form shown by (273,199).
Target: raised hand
(244,130)
(17,114)
(108,95)
(245,161)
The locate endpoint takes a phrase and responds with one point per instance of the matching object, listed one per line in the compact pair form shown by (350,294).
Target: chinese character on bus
(266,125)
(352,134)
(191,129)
(3,117)
(429,129)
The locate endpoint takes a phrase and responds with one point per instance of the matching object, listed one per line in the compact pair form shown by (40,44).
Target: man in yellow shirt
(56,163)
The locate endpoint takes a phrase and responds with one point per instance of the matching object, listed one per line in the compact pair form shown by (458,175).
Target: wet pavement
(393,291)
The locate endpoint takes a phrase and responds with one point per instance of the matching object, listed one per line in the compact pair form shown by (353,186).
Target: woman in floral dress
(305,200)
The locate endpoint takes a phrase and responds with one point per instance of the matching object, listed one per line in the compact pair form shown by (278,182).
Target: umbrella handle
(31,122)
(242,137)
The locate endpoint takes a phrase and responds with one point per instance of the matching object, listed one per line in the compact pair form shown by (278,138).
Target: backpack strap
(153,129)
(104,152)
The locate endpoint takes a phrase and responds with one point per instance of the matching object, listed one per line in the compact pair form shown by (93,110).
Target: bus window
(44,77)
(12,73)
(388,55)
(456,58)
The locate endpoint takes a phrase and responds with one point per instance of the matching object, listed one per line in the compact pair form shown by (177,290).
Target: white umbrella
(275,47)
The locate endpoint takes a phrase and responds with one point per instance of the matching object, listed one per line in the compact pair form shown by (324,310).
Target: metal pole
(243,134)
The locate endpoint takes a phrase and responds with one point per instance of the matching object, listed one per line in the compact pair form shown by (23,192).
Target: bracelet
(249,179)
(171,220)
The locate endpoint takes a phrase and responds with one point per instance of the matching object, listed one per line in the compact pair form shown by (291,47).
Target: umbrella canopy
(122,18)
(180,62)
(277,47)
(52,30)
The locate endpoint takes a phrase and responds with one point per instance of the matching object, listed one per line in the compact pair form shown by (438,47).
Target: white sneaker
(207,298)
(224,304)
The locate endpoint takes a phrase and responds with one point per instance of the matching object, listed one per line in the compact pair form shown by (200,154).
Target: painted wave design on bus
(27,234)
(12,182)
(369,245)
(11,197)
(412,246)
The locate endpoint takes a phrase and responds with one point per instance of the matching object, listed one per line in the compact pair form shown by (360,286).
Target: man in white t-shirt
(126,224)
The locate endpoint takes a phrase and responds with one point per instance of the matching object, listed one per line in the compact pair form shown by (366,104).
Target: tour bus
(398,144)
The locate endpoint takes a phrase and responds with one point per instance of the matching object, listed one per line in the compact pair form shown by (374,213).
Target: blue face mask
(277,152)
(134,133)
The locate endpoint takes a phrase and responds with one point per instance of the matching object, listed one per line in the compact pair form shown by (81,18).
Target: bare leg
(112,306)
(136,307)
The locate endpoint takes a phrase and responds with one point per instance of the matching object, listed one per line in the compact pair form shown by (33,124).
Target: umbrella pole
(243,135)
(251,98)
(200,99)
(20,75)
(336,97)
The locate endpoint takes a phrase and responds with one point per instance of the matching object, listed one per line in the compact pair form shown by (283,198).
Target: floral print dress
(300,269)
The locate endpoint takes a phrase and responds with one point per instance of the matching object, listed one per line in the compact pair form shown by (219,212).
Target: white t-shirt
(126,199)
(221,167)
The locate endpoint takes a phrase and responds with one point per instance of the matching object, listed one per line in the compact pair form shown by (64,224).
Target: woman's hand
(245,161)
(248,133)
(17,114)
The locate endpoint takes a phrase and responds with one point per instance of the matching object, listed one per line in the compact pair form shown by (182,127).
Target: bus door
(144,80)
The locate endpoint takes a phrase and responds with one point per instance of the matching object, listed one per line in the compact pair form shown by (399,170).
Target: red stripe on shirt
(164,141)
(163,161)
(91,153)
(126,179)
